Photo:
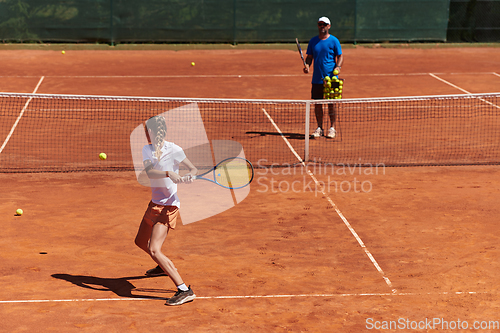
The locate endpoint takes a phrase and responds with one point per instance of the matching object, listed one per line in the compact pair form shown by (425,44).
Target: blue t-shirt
(324,53)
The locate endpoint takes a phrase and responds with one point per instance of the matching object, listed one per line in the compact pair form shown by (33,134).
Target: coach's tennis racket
(300,52)
(231,173)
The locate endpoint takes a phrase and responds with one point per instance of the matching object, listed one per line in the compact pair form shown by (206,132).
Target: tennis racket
(300,52)
(232,173)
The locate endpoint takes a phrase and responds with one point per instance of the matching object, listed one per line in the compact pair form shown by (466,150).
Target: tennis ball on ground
(19,212)
(192,64)
(103,156)
(63,52)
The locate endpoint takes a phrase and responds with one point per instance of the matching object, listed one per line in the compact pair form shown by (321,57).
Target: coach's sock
(182,287)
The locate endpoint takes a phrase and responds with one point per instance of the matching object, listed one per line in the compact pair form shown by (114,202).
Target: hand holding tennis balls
(336,72)
(103,156)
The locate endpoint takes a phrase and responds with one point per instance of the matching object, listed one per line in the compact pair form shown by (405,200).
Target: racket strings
(234,173)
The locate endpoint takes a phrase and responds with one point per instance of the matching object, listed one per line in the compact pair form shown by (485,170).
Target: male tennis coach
(326,52)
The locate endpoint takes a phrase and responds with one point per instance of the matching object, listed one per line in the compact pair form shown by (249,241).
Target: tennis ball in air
(103,156)
(19,212)
(192,64)
(63,52)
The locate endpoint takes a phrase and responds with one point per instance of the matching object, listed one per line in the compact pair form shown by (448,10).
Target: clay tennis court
(417,243)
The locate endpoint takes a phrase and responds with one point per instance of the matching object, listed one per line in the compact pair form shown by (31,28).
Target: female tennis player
(161,161)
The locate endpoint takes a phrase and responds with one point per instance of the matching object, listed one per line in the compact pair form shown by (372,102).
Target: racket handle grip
(186,178)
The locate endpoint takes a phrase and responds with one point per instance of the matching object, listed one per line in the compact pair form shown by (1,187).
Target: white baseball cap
(324,19)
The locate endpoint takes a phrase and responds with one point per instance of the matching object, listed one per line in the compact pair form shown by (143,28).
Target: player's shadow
(291,136)
(120,286)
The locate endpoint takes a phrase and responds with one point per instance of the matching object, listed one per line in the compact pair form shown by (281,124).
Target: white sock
(183,287)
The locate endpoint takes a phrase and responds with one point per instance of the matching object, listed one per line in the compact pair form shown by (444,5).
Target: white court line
(465,91)
(129,299)
(20,116)
(337,210)
(283,137)
(449,83)
(238,75)
(496,74)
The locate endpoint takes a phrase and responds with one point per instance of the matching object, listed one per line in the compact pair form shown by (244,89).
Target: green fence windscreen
(396,20)
(232,21)
(474,21)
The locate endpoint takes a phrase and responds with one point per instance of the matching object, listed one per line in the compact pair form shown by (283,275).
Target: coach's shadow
(291,136)
(120,286)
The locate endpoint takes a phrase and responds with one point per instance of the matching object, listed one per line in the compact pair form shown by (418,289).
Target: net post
(306,131)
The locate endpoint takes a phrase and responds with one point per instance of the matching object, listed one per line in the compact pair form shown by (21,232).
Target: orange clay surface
(285,259)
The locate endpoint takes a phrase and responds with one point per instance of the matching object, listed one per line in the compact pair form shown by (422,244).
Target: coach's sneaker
(332,133)
(181,297)
(318,132)
(157,271)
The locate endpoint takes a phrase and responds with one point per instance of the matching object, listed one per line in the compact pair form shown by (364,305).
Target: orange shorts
(161,214)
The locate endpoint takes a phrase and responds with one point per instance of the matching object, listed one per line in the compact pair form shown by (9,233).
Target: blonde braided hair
(158,126)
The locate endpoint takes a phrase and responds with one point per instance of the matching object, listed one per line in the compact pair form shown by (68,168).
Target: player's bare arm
(339,61)
(157,174)
(309,60)
(192,169)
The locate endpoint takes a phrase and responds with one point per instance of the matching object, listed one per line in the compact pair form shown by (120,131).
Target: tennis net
(63,133)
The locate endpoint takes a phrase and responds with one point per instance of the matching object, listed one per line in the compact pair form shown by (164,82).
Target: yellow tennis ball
(103,156)
(19,212)
(63,52)
(335,72)
(192,64)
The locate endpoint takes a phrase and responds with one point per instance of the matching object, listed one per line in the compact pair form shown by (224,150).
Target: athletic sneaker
(331,133)
(157,271)
(318,132)
(181,297)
